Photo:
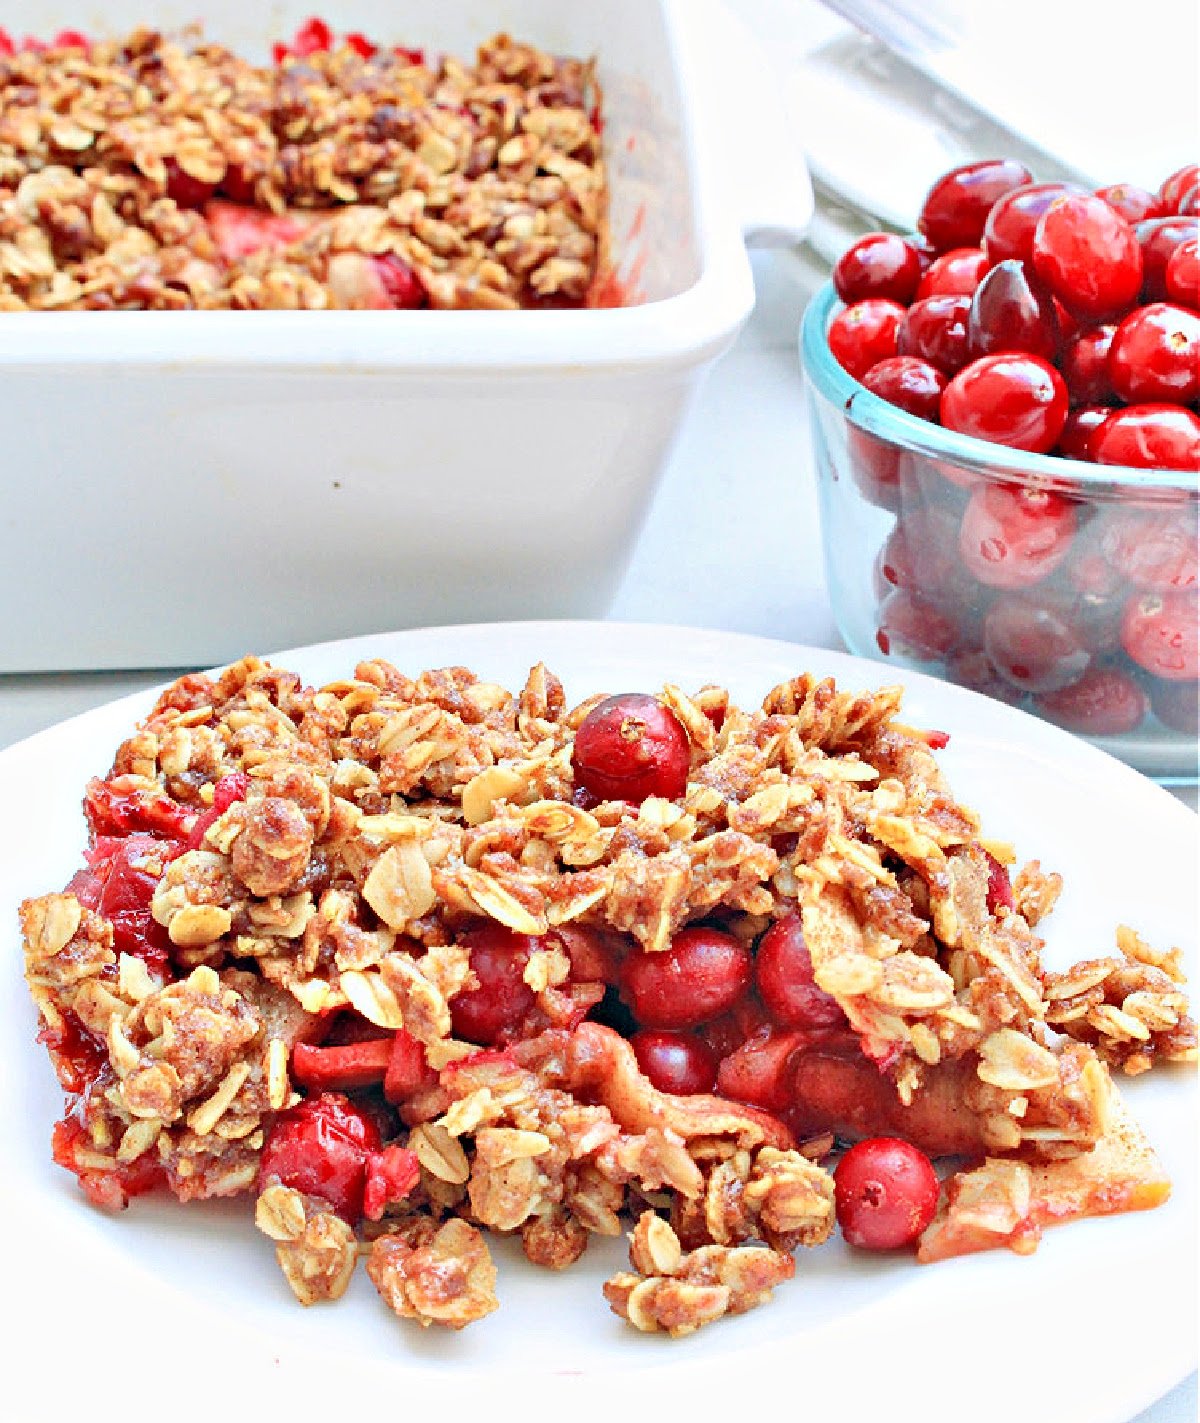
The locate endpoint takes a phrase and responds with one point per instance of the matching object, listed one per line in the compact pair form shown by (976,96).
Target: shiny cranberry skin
(935,330)
(1088,256)
(319,1148)
(1173,189)
(629,747)
(679,1063)
(1155,355)
(885,1193)
(1033,644)
(1075,442)
(490,1013)
(1011,313)
(955,273)
(1012,222)
(783,972)
(865,334)
(1084,365)
(1189,204)
(758,1071)
(1149,437)
(700,976)
(1183,274)
(1013,538)
(1154,549)
(1010,398)
(912,626)
(1177,705)
(881,264)
(1104,702)
(910,383)
(1160,632)
(1133,203)
(957,206)
(875,466)
(1159,237)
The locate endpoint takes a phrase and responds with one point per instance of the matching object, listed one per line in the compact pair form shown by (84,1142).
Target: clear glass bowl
(894,491)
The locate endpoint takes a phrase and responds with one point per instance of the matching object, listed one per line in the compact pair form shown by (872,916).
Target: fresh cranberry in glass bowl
(1034,538)
(935,330)
(1089,256)
(1155,355)
(1009,312)
(865,334)
(881,264)
(1011,398)
(956,207)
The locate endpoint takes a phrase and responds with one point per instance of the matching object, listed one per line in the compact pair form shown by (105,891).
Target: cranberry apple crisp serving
(150,172)
(411,958)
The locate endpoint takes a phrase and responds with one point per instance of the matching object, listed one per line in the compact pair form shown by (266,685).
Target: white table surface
(702,558)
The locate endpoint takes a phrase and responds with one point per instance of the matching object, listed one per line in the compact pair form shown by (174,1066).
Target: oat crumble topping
(156,172)
(280,917)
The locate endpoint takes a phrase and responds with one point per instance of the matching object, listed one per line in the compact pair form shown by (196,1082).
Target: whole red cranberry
(1158,238)
(1015,537)
(935,331)
(1011,313)
(1155,355)
(1155,549)
(1008,234)
(699,976)
(1104,702)
(875,465)
(1075,442)
(885,1193)
(491,1012)
(910,383)
(1177,705)
(1089,257)
(881,264)
(1084,366)
(1149,437)
(1010,398)
(629,747)
(320,1147)
(783,971)
(1133,203)
(1160,632)
(864,334)
(1172,191)
(921,555)
(912,626)
(680,1063)
(957,205)
(1033,644)
(954,273)
(1183,274)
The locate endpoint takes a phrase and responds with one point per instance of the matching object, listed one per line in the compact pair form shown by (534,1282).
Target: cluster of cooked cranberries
(1045,318)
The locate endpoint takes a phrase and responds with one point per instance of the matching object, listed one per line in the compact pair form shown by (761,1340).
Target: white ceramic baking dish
(183,487)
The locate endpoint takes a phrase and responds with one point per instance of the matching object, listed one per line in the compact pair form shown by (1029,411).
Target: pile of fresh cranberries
(1046,318)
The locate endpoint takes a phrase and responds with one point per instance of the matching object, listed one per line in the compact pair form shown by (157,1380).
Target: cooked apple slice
(1006,1202)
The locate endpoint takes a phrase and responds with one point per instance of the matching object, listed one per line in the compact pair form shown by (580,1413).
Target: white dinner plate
(172,1312)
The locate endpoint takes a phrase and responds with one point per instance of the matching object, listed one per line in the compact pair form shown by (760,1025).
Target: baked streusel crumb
(381,956)
(166,172)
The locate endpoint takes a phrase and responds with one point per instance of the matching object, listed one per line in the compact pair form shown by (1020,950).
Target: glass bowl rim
(888,422)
